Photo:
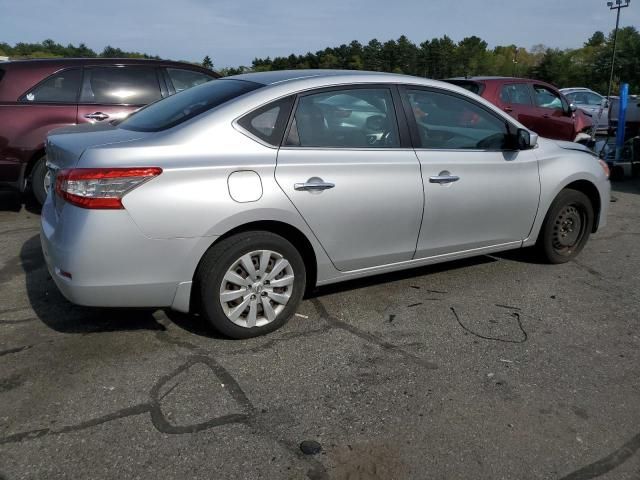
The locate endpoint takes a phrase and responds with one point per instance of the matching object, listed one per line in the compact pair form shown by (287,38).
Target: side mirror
(526,139)
(572,107)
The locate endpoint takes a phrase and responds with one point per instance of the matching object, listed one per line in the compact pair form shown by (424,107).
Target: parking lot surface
(491,368)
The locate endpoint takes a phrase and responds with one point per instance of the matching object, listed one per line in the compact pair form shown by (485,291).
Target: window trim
(401,121)
(21,98)
(110,66)
(527,86)
(285,115)
(413,125)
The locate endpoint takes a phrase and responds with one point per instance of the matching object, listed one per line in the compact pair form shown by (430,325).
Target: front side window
(182,106)
(547,98)
(183,79)
(120,86)
(515,93)
(356,118)
(446,121)
(61,87)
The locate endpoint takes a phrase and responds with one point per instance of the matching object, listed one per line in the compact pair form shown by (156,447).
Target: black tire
(38,175)
(566,227)
(222,256)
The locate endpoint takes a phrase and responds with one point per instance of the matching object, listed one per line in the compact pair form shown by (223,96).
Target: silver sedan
(235,197)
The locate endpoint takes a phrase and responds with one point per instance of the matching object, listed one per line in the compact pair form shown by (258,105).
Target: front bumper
(112,263)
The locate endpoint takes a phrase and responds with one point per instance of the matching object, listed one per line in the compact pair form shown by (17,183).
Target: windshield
(182,106)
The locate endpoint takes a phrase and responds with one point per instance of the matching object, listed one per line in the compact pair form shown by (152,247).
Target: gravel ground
(492,368)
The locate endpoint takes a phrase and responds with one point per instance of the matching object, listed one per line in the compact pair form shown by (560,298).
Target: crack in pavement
(608,463)
(14,350)
(336,323)
(496,339)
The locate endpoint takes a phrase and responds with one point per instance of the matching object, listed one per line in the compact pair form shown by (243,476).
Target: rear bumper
(112,264)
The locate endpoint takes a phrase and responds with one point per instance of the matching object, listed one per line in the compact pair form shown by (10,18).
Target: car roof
(65,62)
(577,89)
(489,78)
(282,76)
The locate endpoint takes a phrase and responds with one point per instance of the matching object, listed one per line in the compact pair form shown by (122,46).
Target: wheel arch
(592,193)
(297,238)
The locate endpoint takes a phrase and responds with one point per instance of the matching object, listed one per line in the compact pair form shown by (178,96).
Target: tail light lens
(101,188)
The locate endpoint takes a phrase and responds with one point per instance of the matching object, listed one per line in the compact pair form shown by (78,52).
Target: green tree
(207,63)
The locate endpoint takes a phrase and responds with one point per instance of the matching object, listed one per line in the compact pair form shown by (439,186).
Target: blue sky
(234,32)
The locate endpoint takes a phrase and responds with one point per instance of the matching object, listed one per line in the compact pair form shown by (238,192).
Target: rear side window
(183,79)
(268,123)
(182,106)
(1,74)
(517,93)
(120,85)
(354,118)
(61,87)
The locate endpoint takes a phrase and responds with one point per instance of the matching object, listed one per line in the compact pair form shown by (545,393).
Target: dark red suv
(537,105)
(37,96)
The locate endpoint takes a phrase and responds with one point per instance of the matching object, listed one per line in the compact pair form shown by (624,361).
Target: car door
(478,192)
(349,169)
(515,99)
(554,119)
(114,92)
(50,104)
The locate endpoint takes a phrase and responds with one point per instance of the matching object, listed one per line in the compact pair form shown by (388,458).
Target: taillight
(101,188)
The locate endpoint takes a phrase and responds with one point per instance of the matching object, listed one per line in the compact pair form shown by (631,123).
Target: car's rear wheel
(567,227)
(40,180)
(251,284)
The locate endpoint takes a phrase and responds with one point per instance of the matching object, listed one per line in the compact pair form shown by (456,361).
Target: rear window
(473,87)
(182,106)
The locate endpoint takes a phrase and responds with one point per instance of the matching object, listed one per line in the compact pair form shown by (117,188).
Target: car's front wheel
(251,283)
(566,227)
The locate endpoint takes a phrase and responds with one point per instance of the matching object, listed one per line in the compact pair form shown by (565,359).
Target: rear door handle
(313,186)
(99,116)
(444,177)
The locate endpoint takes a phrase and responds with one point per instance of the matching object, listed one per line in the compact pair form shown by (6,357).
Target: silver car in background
(590,102)
(234,197)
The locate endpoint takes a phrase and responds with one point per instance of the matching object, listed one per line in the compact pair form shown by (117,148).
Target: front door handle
(508,109)
(99,116)
(314,184)
(444,177)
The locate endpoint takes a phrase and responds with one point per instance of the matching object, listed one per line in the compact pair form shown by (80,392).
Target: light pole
(615,5)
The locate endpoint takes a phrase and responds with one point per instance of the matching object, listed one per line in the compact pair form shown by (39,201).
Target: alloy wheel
(256,288)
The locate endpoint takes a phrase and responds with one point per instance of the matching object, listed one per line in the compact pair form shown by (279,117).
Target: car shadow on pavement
(397,276)
(12,201)
(59,314)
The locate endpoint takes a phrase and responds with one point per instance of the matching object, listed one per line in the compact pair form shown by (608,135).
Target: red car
(537,105)
(37,96)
